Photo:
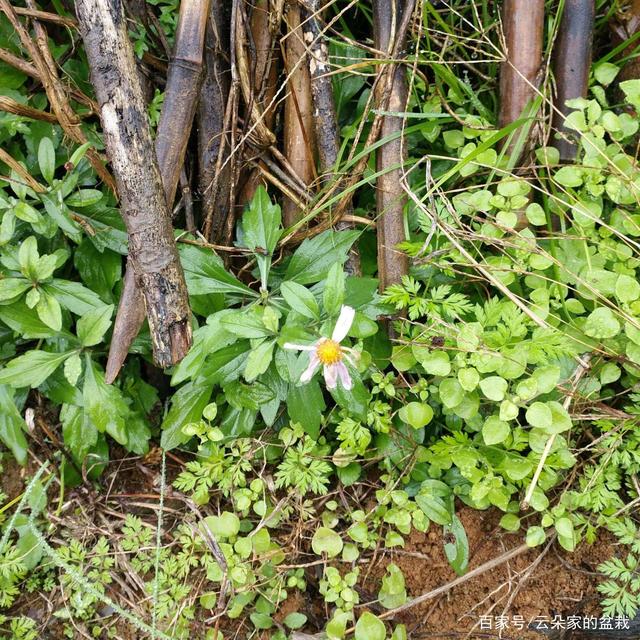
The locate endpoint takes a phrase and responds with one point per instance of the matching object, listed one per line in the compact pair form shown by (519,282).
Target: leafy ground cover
(328,453)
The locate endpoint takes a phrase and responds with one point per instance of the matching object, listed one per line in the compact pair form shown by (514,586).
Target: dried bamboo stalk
(390,196)
(571,64)
(127,136)
(325,119)
(213,145)
(523,22)
(299,134)
(181,95)
(523,26)
(626,25)
(263,64)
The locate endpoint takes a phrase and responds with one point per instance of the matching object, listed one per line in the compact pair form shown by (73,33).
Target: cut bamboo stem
(299,135)
(213,145)
(523,22)
(571,64)
(181,96)
(127,136)
(390,196)
(325,119)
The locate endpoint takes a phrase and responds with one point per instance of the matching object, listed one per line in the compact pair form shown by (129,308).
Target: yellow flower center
(329,352)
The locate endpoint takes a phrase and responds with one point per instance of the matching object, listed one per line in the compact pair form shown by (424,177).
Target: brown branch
(299,134)
(127,136)
(571,64)
(13,106)
(29,180)
(390,197)
(181,95)
(55,90)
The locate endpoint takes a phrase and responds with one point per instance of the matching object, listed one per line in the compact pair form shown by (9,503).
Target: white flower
(330,354)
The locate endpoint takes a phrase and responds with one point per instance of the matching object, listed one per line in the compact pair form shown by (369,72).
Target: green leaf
(627,288)
(84,198)
(495,430)
(434,508)
(315,256)
(224,526)
(100,271)
(247,323)
(47,159)
(369,627)
(92,326)
(602,324)
(494,387)
(48,310)
(261,223)
(73,296)
(26,212)
(457,552)
(187,405)
(32,368)
(79,433)
(436,363)
(327,541)
(305,405)
(334,288)
(300,299)
(451,392)
(393,592)
(205,273)
(535,214)
(605,73)
(12,426)
(568,177)
(12,288)
(535,536)
(560,418)
(73,369)
(295,620)
(416,414)
(539,415)
(24,321)
(103,403)
(468,378)
(259,360)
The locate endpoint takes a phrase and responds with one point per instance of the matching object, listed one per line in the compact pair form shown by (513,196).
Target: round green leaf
(327,541)
(494,387)
(495,430)
(369,627)
(416,414)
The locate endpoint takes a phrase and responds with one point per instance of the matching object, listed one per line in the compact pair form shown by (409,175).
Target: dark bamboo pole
(571,64)
(181,96)
(624,26)
(325,119)
(213,145)
(522,22)
(299,135)
(127,136)
(390,196)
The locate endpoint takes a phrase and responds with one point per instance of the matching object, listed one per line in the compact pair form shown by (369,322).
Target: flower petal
(345,320)
(345,377)
(299,347)
(314,363)
(331,375)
